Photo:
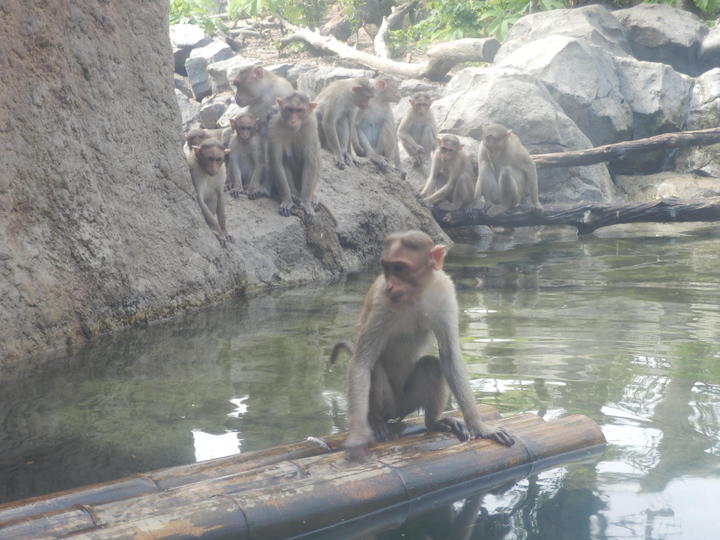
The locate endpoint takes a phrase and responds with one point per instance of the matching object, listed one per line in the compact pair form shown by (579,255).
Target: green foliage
(304,12)
(194,12)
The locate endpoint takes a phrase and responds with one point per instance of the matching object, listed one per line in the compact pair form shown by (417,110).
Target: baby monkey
(246,162)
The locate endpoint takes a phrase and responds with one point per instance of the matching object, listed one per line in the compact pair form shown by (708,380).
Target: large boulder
(595,24)
(99,226)
(703,113)
(213,108)
(582,80)
(222,73)
(483,95)
(313,80)
(189,110)
(184,38)
(709,55)
(661,33)
(196,66)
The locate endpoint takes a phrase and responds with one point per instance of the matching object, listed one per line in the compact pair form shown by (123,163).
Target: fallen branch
(610,152)
(391,22)
(588,217)
(442,58)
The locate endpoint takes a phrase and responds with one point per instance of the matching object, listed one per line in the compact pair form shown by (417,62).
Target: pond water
(622,326)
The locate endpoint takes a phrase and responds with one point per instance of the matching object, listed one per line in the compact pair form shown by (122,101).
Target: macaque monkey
(417,131)
(375,126)
(337,108)
(194,137)
(207,169)
(246,163)
(294,154)
(452,177)
(258,89)
(506,172)
(389,377)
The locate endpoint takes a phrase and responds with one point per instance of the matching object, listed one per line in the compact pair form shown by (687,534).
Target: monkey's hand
(286,207)
(379,161)
(357,444)
(339,161)
(498,435)
(229,238)
(235,193)
(452,425)
(254,192)
(308,213)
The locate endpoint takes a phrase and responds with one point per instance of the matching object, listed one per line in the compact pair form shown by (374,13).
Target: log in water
(298,488)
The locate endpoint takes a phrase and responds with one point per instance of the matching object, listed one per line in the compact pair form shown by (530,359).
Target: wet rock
(703,113)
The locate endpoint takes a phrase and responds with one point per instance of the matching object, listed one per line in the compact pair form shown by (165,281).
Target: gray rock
(184,38)
(312,81)
(182,84)
(189,110)
(709,55)
(703,113)
(231,112)
(294,72)
(665,185)
(196,66)
(582,80)
(409,87)
(661,33)
(223,73)
(595,24)
(212,109)
(520,102)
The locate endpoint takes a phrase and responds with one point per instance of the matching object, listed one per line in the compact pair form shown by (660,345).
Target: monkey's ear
(380,85)
(437,256)
(196,151)
(311,106)
(461,146)
(439,141)
(412,101)
(279,102)
(227,151)
(259,72)
(233,123)
(509,132)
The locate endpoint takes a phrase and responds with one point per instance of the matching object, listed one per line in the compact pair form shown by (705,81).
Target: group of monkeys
(275,148)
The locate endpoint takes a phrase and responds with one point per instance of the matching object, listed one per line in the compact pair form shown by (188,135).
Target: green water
(622,327)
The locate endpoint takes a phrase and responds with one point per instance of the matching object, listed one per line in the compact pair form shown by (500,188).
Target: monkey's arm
(445,328)
(532,183)
(429,186)
(254,188)
(200,184)
(329,127)
(234,173)
(220,210)
(278,171)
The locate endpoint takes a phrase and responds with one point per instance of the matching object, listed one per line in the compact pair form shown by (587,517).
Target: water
(622,327)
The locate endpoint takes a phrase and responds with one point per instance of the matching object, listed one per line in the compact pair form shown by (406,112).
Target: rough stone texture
(582,80)
(222,73)
(184,38)
(703,113)
(518,101)
(213,108)
(189,110)
(643,188)
(661,33)
(709,55)
(99,227)
(592,23)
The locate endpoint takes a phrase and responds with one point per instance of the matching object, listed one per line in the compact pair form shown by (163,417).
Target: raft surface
(296,489)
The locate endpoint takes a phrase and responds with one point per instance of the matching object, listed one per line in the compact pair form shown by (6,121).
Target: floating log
(306,494)
(588,217)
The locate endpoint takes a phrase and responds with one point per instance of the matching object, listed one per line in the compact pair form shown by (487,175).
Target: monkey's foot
(229,238)
(235,193)
(308,215)
(499,435)
(448,424)
(339,162)
(285,208)
(357,453)
(254,193)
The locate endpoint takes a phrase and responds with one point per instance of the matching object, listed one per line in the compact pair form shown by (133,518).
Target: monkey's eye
(394,267)
(245,128)
(294,110)
(215,159)
(446,150)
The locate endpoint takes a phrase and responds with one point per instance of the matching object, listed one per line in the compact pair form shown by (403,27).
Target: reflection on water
(623,328)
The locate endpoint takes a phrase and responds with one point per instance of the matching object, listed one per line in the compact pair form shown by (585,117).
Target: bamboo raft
(302,488)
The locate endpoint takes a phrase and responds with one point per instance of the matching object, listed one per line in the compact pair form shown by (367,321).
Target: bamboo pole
(307,494)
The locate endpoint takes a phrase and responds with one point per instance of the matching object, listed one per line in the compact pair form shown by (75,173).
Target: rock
(409,87)
(661,33)
(709,55)
(582,80)
(703,113)
(212,109)
(294,72)
(595,24)
(231,112)
(184,38)
(182,84)
(196,66)
(312,81)
(483,95)
(664,185)
(189,110)
(223,73)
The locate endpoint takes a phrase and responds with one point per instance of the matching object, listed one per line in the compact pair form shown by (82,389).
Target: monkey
(506,172)
(417,131)
(389,377)
(207,169)
(194,137)
(258,89)
(294,154)
(375,126)
(246,162)
(337,106)
(452,177)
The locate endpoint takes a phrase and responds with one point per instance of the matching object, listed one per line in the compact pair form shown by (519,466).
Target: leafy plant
(194,12)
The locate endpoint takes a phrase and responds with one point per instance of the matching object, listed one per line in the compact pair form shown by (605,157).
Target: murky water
(624,328)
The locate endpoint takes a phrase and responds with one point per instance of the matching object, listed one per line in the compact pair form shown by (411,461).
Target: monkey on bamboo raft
(507,175)
(390,376)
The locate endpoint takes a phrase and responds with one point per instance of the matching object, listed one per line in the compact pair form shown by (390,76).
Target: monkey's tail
(339,346)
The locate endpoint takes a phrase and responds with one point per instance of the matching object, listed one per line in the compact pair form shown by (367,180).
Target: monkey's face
(211,159)
(495,137)
(362,95)
(448,151)
(247,88)
(294,113)
(421,104)
(245,127)
(405,274)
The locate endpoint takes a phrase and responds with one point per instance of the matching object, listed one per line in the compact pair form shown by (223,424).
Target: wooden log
(315,492)
(619,150)
(163,479)
(588,217)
